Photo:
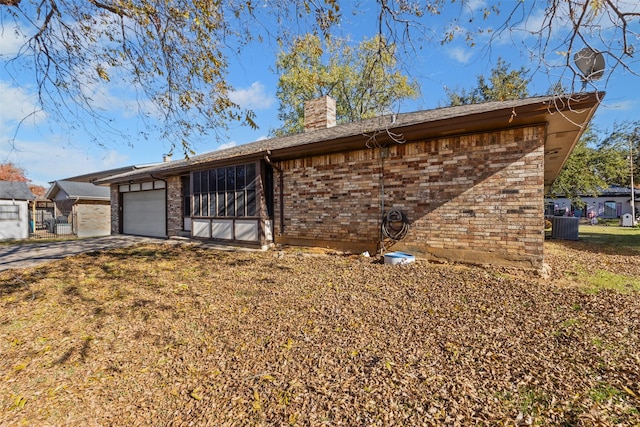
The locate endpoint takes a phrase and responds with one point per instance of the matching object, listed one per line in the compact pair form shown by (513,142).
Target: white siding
(18,228)
(247,230)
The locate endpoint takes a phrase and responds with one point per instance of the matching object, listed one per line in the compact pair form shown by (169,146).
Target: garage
(144,213)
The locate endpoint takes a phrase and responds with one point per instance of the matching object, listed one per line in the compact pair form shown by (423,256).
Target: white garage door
(144,213)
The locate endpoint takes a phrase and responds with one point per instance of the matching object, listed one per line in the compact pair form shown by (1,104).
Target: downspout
(633,190)
(32,228)
(166,204)
(74,216)
(384,152)
(281,192)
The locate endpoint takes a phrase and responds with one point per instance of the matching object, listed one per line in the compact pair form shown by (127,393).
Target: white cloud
(117,98)
(460,54)
(474,5)
(229,144)
(528,20)
(626,105)
(535,21)
(45,161)
(11,40)
(18,105)
(253,97)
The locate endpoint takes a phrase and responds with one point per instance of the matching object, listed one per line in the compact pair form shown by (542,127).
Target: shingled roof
(78,190)
(569,115)
(93,176)
(11,190)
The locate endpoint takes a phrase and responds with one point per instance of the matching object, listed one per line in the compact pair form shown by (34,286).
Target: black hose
(395,225)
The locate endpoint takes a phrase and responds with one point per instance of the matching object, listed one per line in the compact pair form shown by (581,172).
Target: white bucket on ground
(398,258)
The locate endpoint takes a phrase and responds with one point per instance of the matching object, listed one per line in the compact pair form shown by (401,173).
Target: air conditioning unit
(564,227)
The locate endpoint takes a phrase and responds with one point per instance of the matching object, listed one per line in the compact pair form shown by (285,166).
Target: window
(9,212)
(225,192)
(550,209)
(610,210)
(186,197)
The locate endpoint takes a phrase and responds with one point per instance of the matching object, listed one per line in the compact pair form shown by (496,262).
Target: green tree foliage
(503,84)
(596,164)
(591,168)
(625,140)
(364,80)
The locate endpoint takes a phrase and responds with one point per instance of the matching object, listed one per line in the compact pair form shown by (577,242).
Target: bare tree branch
(115,10)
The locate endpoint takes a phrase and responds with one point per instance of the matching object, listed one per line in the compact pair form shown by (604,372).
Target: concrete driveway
(32,254)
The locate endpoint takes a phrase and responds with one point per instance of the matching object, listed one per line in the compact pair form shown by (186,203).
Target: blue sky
(48,151)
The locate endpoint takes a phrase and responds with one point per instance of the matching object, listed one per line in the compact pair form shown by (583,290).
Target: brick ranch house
(463,184)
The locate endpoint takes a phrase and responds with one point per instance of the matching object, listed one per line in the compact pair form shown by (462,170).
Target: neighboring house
(81,208)
(463,183)
(14,210)
(78,206)
(613,202)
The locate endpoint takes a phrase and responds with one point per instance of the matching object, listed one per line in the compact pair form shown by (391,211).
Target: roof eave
(52,191)
(143,175)
(565,122)
(565,127)
(565,118)
(89,198)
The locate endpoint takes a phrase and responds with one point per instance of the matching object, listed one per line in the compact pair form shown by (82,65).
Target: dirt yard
(182,335)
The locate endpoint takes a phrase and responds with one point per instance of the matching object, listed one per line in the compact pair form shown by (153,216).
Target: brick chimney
(319,113)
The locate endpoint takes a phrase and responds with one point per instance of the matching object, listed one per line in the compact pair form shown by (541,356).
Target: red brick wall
(333,197)
(475,198)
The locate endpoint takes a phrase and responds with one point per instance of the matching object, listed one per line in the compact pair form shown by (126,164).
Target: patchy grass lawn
(620,240)
(602,258)
(182,335)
